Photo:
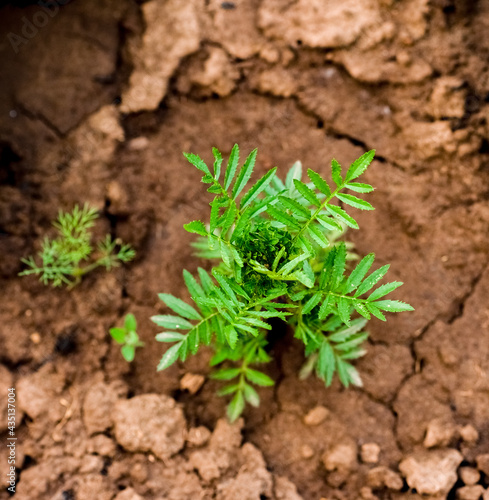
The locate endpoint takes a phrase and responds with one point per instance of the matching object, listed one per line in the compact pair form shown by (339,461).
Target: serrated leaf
(236,406)
(326,362)
(197,162)
(295,206)
(359,187)
(171,322)
(319,182)
(311,303)
(339,266)
(128,352)
(374,310)
(361,309)
(244,173)
(258,378)
(169,337)
(359,273)
(393,305)
(340,214)
(307,193)
(318,236)
(352,343)
(179,306)
(283,217)
(372,280)
(354,202)
(326,307)
(196,291)
(231,335)
(343,305)
(257,188)
(217,163)
(231,166)
(295,172)
(384,290)
(328,223)
(292,264)
(336,172)
(345,332)
(206,280)
(359,166)
(196,227)
(214,217)
(251,396)
(226,374)
(170,356)
(118,334)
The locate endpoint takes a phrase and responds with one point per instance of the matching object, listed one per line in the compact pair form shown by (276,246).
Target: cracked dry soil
(99,99)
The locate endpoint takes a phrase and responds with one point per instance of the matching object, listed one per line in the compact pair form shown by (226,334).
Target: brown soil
(98,104)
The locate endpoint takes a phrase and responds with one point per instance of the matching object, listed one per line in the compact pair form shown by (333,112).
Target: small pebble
(306,451)
(191,382)
(470,492)
(469,434)
(35,338)
(369,453)
(316,416)
(469,475)
(198,436)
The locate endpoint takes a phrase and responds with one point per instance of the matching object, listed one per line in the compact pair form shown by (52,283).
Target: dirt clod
(285,489)
(369,453)
(483,463)
(432,472)
(149,422)
(316,416)
(469,475)
(191,382)
(470,492)
(383,477)
(439,433)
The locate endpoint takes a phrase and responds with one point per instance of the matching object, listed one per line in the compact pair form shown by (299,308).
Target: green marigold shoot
(128,337)
(65,259)
(278,257)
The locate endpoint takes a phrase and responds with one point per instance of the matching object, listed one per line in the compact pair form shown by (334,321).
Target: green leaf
(171,322)
(170,356)
(169,337)
(319,182)
(344,310)
(336,172)
(295,172)
(226,374)
(359,273)
(359,187)
(232,166)
(339,266)
(130,323)
(251,396)
(355,202)
(296,207)
(372,280)
(345,333)
(291,265)
(231,336)
(283,217)
(352,343)
(359,166)
(197,227)
(118,334)
(326,308)
(244,173)
(318,236)
(217,163)
(179,306)
(229,389)
(328,223)
(307,193)
(384,290)
(326,362)
(128,352)
(197,162)
(258,378)
(311,303)
(340,214)
(374,310)
(257,188)
(393,306)
(236,406)
(196,291)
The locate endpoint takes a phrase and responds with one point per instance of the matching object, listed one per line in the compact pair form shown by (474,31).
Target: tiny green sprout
(278,256)
(128,337)
(68,257)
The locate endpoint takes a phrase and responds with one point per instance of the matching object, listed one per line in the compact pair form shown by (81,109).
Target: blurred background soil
(98,101)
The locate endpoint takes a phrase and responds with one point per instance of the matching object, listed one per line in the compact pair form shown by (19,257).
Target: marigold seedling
(65,259)
(278,257)
(128,337)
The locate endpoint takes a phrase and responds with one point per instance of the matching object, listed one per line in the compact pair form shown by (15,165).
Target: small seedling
(279,257)
(128,337)
(68,257)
